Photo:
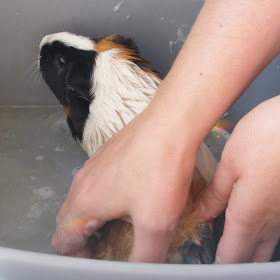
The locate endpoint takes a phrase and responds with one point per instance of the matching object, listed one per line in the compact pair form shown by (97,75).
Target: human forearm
(229,45)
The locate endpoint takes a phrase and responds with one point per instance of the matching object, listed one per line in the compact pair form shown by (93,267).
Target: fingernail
(202,210)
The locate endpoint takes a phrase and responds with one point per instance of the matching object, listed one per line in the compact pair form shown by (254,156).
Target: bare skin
(143,173)
(247,185)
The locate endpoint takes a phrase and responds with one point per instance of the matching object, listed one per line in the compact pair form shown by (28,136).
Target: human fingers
(83,253)
(265,248)
(72,234)
(76,184)
(151,242)
(76,220)
(250,233)
(214,198)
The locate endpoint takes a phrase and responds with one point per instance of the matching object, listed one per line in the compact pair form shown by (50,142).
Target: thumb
(214,198)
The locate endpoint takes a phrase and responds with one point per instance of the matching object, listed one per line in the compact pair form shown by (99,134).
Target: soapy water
(59,125)
(44,193)
(44,199)
(35,211)
(167,20)
(36,176)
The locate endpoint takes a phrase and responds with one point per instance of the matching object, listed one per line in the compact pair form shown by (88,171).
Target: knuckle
(217,194)
(159,226)
(78,201)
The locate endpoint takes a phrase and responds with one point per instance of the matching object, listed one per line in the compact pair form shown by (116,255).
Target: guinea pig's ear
(78,77)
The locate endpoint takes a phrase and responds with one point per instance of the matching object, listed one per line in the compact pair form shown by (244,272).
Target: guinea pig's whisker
(36,85)
(30,67)
(84,98)
(33,74)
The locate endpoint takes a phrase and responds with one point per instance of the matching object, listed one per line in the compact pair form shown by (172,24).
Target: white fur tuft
(121,90)
(69,39)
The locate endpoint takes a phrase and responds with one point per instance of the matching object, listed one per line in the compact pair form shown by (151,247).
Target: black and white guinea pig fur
(102,85)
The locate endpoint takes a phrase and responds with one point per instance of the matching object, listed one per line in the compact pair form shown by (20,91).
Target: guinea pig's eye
(61,61)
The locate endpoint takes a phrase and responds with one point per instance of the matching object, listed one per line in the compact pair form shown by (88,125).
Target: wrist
(187,116)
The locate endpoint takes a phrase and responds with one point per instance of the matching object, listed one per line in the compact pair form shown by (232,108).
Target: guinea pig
(102,84)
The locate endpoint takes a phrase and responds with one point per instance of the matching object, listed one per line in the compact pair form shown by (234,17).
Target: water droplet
(118,6)
(171,43)
(40,157)
(75,170)
(59,148)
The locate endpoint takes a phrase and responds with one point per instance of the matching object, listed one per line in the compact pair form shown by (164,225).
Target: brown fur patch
(67,110)
(108,43)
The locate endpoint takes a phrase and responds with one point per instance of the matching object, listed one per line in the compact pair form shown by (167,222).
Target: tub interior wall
(158,28)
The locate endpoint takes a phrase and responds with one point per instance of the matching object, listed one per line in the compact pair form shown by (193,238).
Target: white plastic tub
(38,158)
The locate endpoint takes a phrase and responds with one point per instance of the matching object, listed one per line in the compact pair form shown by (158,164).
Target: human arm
(143,173)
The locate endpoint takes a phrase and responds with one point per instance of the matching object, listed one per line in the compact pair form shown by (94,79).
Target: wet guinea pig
(102,85)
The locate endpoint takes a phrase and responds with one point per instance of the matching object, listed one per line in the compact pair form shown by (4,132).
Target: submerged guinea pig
(102,85)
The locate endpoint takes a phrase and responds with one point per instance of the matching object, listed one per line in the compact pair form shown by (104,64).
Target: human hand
(247,185)
(143,172)
(141,175)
